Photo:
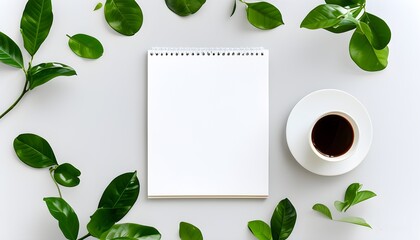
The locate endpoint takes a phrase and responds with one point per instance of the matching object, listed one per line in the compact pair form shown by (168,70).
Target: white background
(97,120)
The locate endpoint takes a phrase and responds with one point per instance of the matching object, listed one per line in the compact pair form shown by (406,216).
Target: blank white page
(208,122)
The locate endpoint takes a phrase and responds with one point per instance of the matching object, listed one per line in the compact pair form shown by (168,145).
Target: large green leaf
(34,151)
(283,220)
(67,218)
(324,210)
(324,16)
(10,53)
(45,72)
(188,231)
(365,55)
(345,3)
(381,34)
(86,46)
(263,15)
(343,26)
(67,175)
(260,230)
(184,7)
(102,220)
(130,231)
(355,220)
(124,16)
(35,24)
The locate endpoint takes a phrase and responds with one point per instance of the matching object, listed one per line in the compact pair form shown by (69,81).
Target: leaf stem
(25,90)
(84,237)
(56,184)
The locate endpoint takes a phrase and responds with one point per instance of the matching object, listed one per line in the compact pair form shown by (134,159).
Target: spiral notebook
(208,123)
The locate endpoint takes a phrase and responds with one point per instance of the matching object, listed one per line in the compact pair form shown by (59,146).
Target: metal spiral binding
(206,52)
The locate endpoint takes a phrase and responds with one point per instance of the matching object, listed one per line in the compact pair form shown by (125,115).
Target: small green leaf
(35,24)
(124,16)
(67,175)
(324,210)
(283,220)
(345,3)
(234,8)
(260,230)
(86,46)
(365,55)
(188,231)
(355,220)
(381,34)
(98,6)
(10,53)
(263,15)
(324,16)
(351,192)
(44,72)
(363,196)
(130,231)
(184,7)
(67,218)
(339,206)
(34,151)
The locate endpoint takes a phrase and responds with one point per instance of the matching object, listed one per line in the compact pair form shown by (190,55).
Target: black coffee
(332,135)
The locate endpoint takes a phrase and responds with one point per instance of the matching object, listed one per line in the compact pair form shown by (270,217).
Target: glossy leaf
(340,206)
(45,72)
(184,7)
(67,218)
(345,3)
(355,220)
(263,15)
(124,16)
(234,8)
(34,151)
(324,210)
(10,53)
(86,46)
(363,196)
(381,34)
(35,24)
(260,230)
(283,220)
(130,231)
(188,231)
(102,220)
(343,26)
(98,6)
(323,16)
(67,175)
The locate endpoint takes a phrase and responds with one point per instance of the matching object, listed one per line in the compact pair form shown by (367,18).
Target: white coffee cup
(334,136)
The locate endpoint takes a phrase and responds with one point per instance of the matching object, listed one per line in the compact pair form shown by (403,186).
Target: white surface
(311,108)
(207,123)
(97,121)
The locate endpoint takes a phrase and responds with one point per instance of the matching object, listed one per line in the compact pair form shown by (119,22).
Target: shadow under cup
(334,136)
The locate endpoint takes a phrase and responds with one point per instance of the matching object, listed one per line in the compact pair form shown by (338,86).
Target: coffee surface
(332,135)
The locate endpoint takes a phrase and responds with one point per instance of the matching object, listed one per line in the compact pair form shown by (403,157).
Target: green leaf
(350,194)
(115,203)
(124,16)
(44,72)
(339,206)
(343,26)
(345,3)
(365,55)
(184,7)
(283,220)
(234,8)
(10,53)
(98,6)
(86,46)
(263,15)
(188,231)
(260,230)
(381,34)
(67,218)
(324,16)
(67,175)
(355,220)
(34,151)
(130,231)
(363,196)
(35,24)
(324,210)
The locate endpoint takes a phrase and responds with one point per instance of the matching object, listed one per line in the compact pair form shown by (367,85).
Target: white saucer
(303,115)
